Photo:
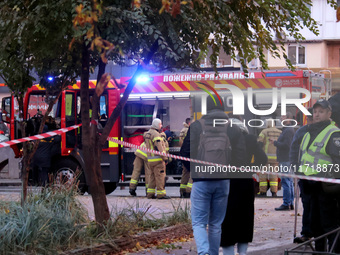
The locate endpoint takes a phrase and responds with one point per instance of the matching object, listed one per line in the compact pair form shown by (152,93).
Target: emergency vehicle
(67,155)
(170,97)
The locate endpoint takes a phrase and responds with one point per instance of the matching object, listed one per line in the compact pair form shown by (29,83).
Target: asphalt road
(121,191)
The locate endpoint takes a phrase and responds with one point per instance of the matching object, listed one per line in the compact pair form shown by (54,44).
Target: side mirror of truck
(6,109)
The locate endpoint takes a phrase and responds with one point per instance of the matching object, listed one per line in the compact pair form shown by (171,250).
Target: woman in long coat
(238,224)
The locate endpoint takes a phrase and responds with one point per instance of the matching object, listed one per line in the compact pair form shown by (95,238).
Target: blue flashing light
(50,78)
(143,79)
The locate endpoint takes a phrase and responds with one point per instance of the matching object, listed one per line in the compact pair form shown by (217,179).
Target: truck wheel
(66,170)
(110,187)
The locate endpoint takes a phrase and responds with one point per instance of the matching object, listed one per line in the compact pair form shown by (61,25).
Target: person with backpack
(217,143)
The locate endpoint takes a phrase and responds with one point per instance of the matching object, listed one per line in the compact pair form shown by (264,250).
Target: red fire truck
(67,156)
(172,98)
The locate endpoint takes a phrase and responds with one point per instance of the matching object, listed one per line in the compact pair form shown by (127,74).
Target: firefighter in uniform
(186,181)
(157,163)
(138,163)
(271,132)
(184,131)
(320,155)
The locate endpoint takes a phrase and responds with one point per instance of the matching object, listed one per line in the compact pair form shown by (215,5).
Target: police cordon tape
(126,144)
(130,145)
(40,136)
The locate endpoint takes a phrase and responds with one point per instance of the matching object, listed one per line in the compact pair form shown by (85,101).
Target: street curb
(10,182)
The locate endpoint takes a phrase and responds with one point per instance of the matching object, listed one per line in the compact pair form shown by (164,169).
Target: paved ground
(273,231)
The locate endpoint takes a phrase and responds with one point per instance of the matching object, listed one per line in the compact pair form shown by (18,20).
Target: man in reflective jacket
(320,155)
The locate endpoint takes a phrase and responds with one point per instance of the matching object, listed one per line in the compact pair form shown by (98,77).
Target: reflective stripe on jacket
(268,147)
(315,158)
(141,154)
(154,141)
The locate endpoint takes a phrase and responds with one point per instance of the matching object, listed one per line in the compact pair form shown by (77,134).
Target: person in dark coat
(294,158)
(283,146)
(42,158)
(238,224)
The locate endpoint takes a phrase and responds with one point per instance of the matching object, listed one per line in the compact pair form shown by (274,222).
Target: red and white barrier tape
(304,177)
(40,136)
(125,144)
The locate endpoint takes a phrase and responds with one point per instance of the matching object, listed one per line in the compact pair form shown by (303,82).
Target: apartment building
(319,53)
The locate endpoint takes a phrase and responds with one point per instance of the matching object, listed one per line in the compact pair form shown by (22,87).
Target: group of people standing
(155,165)
(215,202)
(222,209)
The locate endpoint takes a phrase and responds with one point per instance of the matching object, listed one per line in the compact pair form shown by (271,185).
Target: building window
(297,54)
(254,64)
(223,60)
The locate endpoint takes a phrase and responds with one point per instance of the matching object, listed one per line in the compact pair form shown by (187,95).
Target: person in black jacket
(294,158)
(209,196)
(283,146)
(238,224)
(42,158)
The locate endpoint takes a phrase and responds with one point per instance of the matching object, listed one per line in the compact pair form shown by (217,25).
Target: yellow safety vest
(315,158)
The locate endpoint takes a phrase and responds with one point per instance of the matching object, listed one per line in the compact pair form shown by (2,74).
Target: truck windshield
(38,106)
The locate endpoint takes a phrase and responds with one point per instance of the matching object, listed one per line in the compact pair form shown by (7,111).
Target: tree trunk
(92,142)
(25,168)
(91,148)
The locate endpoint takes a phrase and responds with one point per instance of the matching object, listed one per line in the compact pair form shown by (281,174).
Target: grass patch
(140,217)
(50,220)
(53,220)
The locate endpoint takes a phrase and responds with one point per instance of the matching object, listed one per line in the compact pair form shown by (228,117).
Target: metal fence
(308,247)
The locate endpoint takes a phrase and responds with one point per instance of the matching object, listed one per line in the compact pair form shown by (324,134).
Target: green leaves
(41,30)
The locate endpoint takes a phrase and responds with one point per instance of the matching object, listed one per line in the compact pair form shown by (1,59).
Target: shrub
(50,220)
